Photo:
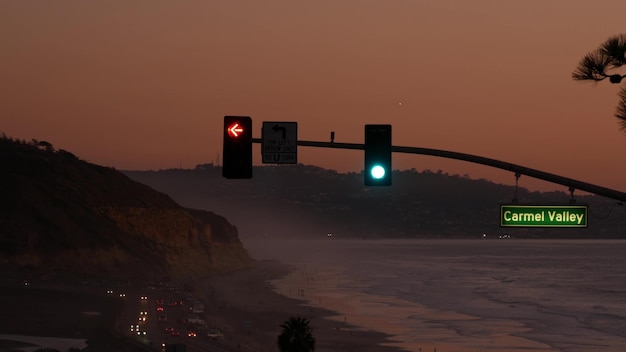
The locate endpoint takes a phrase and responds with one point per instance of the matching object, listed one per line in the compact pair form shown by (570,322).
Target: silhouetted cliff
(62,215)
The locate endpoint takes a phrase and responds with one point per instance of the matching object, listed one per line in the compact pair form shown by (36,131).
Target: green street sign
(515,215)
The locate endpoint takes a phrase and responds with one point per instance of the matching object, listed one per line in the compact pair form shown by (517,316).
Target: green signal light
(377,172)
(378,149)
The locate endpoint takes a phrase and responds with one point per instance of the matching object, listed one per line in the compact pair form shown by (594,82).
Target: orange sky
(145,84)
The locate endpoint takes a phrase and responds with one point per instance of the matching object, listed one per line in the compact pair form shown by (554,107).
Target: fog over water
(466,295)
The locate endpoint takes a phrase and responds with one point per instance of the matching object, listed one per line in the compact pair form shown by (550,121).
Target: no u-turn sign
(279,142)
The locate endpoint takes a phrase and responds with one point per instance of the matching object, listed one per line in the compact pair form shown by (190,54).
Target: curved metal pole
(517,169)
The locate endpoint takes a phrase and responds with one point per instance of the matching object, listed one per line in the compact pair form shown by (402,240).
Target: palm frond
(296,335)
(615,48)
(620,112)
(592,67)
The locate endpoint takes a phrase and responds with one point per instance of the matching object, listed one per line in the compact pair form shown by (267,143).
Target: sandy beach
(245,305)
(374,297)
(249,305)
(430,330)
(462,296)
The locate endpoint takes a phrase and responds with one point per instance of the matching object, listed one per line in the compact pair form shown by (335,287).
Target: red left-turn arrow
(234,130)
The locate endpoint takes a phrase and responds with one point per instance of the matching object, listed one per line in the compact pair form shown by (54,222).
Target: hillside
(62,215)
(298,201)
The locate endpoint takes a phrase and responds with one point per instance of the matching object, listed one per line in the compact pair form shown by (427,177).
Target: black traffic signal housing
(237,150)
(377,155)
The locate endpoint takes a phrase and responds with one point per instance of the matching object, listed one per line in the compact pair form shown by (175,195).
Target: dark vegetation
(72,226)
(60,215)
(308,201)
(605,62)
(296,336)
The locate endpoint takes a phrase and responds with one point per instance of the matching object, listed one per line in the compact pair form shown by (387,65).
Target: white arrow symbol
(234,130)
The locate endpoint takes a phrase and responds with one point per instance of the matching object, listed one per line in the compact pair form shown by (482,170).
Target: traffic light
(237,152)
(377,155)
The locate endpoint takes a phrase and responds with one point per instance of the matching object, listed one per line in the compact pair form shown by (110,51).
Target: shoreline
(409,326)
(244,305)
(247,307)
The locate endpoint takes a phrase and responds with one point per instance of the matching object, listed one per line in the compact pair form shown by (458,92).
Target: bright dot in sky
(400,104)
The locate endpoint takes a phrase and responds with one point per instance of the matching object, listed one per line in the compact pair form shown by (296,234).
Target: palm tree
(296,336)
(597,65)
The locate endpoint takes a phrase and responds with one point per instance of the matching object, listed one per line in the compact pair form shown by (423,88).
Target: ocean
(504,295)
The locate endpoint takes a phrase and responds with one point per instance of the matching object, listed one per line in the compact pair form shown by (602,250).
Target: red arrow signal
(234,130)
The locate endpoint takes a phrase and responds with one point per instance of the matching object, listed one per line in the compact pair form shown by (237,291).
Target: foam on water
(466,295)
